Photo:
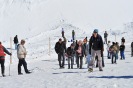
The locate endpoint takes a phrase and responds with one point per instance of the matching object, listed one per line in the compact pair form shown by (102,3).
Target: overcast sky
(104,14)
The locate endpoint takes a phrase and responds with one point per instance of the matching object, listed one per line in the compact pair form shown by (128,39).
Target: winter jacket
(113,49)
(82,51)
(96,43)
(60,47)
(2,50)
(70,52)
(15,40)
(123,40)
(122,47)
(105,35)
(132,45)
(118,48)
(21,52)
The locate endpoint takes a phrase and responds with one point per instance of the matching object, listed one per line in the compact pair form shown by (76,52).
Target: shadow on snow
(112,77)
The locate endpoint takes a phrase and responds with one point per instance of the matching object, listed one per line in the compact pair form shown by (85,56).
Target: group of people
(114,49)
(92,50)
(79,49)
(21,54)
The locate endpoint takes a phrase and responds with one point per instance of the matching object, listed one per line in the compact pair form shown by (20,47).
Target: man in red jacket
(2,58)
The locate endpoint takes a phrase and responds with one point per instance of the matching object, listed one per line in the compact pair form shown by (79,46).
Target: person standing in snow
(21,54)
(73,35)
(2,58)
(62,32)
(60,49)
(105,37)
(122,50)
(113,49)
(70,55)
(80,51)
(16,41)
(95,48)
(118,49)
(132,49)
(88,56)
(108,49)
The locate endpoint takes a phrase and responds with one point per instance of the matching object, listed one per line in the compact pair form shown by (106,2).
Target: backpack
(2,51)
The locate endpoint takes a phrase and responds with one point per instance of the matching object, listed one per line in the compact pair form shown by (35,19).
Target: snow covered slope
(38,20)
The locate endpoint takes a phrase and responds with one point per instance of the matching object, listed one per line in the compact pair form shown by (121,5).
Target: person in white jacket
(21,53)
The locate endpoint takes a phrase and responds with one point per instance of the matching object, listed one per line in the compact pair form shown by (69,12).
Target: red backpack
(2,51)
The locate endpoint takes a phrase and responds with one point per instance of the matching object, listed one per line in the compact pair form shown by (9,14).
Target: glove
(90,51)
(10,54)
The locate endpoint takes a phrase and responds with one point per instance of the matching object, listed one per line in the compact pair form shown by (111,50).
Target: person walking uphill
(2,58)
(16,41)
(95,49)
(70,55)
(60,49)
(21,53)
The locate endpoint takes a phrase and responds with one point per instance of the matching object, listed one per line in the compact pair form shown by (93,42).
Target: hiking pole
(10,55)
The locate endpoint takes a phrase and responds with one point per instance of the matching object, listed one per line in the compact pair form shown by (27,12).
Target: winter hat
(95,31)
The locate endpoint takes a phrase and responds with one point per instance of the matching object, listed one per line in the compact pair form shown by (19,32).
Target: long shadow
(112,77)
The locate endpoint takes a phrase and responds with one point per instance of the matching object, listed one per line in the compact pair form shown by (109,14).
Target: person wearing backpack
(2,58)
(21,54)
(95,48)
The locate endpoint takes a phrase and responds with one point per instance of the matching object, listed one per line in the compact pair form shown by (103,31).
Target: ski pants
(61,58)
(95,53)
(2,61)
(70,60)
(22,62)
(88,57)
(96,58)
(122,54)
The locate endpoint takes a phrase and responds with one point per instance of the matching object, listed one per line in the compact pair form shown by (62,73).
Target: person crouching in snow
(2,58)
(70,55)
(21,53)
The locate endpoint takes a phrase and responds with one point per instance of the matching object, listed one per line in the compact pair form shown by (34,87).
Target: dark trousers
(61,59)
(22,62)
(113,56)
(70,61)
(132,52)
(96,58)
(122,54)
(108,55)
(2,61)
(81,61)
